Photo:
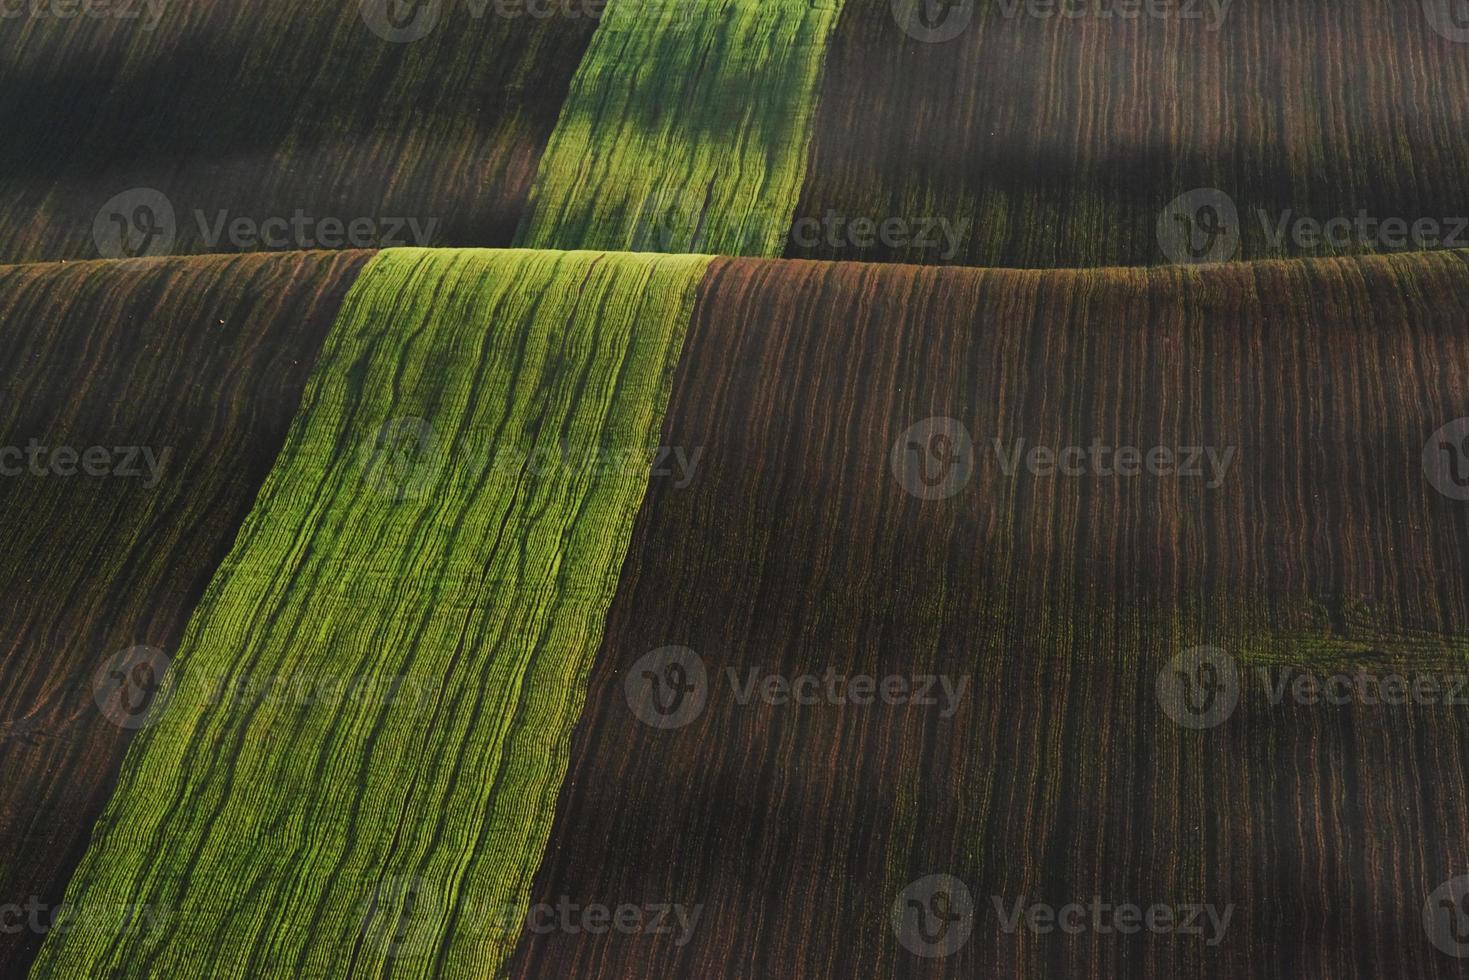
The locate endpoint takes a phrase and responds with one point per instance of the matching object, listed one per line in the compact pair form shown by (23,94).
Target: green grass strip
(356,767)
(686,129)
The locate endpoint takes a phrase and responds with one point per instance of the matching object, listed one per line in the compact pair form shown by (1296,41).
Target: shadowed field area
(141,406)
(830,532)
(1059,141)
(374,112)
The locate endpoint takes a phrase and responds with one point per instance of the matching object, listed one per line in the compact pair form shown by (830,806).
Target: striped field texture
(200,363)
(1053,602)
(1059,141)
(258,109)
(686,129)
(1209,131)
(372,708)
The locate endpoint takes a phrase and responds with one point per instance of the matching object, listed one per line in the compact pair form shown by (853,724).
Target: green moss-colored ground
(686,129)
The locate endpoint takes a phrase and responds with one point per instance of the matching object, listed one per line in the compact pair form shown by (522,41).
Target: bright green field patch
(686,129)
(356,770)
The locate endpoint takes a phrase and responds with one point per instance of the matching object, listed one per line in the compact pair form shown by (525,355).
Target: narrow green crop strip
(686,129)
(370,712)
